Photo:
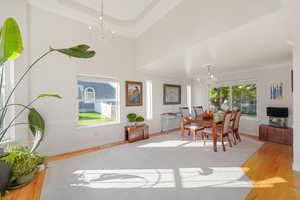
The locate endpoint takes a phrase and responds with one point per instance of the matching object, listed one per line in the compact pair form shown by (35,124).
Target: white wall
(293,26)
(263,78)
(57,74)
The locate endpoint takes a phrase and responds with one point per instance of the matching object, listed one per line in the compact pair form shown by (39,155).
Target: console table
(277,135)
(136,133)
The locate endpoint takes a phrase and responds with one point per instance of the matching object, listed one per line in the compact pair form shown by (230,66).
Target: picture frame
(172,94)
(276,91)
(134,93)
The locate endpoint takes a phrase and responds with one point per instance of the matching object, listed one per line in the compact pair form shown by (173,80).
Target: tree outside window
(235,97)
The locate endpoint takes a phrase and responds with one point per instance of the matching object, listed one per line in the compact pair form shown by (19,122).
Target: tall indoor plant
(11,47)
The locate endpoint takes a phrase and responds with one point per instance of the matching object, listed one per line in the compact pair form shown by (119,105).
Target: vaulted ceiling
(179,37)
(231,35)
(129,18)
(120,9)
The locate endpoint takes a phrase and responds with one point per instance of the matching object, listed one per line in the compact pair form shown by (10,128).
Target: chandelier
(211,78)
(103,30)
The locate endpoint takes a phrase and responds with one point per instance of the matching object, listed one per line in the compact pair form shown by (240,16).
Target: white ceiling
(260,43)
(119,9)
(250,45)
(127,18)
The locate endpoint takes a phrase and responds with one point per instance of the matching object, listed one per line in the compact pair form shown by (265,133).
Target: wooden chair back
(226,122)
(185,112)
(198,111)
(236,120)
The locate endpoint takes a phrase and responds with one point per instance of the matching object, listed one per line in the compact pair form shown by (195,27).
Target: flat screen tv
(280,112)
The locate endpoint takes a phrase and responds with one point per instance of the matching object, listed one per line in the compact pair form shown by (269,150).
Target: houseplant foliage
(134,118)
(11,47)
(24,165)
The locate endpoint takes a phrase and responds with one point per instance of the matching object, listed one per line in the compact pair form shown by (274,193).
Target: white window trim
(96,79)
(9,77)
(189,97)
(149,102)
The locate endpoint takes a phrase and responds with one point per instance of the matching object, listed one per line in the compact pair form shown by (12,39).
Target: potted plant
(11,46)
(24,165)
(131,118)
(139,120)
(134,119)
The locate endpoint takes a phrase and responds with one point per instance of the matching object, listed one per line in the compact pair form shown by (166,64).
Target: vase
(26,179)
(5,172)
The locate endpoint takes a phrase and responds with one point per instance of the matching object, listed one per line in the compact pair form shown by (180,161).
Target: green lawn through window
(86,118)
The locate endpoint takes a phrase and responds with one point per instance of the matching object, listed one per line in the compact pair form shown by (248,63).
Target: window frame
(231,85)
(101,79)
(189,97)
(149,100)
(8,84)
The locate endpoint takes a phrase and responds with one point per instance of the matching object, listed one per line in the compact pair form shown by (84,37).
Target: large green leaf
(36,122)
(11,45)
(80,51)
(49,95)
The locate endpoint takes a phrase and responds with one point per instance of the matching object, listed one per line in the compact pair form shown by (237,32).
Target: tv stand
(277,135)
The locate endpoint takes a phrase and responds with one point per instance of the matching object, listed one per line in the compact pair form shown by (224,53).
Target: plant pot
(2,153)
(5,172)
(139,123)
(24,180)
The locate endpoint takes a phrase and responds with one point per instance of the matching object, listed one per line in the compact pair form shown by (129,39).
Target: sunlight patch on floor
(225,177)
(180,143)
(126,178)
(168,143)
(269,182)
(213,177)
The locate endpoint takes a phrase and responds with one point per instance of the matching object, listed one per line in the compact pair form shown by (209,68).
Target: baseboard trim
(98,148)
(250,136)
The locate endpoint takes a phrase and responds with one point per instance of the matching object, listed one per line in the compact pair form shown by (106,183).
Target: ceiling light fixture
(105,32)
(211,77)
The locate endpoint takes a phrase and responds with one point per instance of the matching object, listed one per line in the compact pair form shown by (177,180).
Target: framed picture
(134,93)
(276,91)
(172,94)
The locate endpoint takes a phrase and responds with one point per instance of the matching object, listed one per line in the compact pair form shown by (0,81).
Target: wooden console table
(277,135)
(136,133)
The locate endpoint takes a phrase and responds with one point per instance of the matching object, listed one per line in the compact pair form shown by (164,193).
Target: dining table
(208,123)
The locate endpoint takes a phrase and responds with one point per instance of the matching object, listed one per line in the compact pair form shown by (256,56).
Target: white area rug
(162,168)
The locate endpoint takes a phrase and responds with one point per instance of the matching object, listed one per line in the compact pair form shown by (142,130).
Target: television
(278,116)
(278,112)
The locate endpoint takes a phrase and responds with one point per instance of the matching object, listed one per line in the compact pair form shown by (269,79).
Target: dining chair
(198,111)
(223,130)
(191,127)
(236,125)
(185,112)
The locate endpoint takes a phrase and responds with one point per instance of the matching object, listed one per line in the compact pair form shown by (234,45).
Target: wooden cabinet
(135,133)
(277,135)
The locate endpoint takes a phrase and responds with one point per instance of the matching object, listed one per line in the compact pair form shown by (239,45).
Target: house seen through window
(97,100)
(242,96)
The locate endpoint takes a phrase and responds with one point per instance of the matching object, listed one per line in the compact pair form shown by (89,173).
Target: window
(149,100)
(242,96)
(8,79)
(189,97)
(97,100)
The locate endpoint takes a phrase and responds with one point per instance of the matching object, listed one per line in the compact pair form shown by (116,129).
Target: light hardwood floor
(270,170)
